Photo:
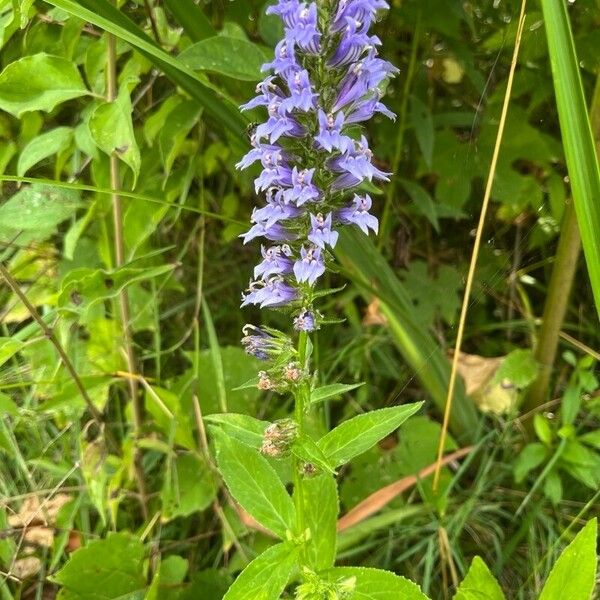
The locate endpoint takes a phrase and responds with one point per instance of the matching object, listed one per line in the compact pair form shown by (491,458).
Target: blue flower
(321,232)
(310,266)
(357,213)
(330,135)
(305,321)
(273,292)
(276,261)
(302,190)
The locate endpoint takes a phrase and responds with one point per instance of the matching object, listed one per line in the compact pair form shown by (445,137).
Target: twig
(49,333)
(476,247)
(111,94)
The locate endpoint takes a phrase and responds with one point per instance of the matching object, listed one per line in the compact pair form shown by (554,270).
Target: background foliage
(81,499)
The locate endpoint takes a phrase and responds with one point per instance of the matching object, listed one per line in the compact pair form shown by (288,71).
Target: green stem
(561,282)
(301,399)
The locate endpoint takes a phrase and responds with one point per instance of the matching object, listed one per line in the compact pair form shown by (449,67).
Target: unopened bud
(292,372)
(278,438)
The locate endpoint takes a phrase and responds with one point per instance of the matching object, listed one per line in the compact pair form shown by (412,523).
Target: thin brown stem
(123,299)
(476,246)
(49,333)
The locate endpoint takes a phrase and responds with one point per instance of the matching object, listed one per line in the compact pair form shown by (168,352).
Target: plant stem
(559,288)
(555,307)
(49,333)
(301,398)
(123,299)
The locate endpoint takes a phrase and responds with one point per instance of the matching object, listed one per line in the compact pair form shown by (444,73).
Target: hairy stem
(123,299)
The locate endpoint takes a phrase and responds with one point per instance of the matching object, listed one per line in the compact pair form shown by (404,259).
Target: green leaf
(189,487)
(232,57)
(254,483)
(306,449)
(107,569)
(553,489)
(106,16)
(243,428)
(331,391)
(83,288)
(166,584)
(542,429)
(375,584)
(174,130)
(38,207)
(7,406)
(358,434)
(422,201)
(266,576)
(574,573)
(422,123)
(112,131)
(519,367)
(39,82)
(529,458)
(479,584)
(577,136)
(42,147)
(321,508)
(191,17)
(591,439)
(8,348)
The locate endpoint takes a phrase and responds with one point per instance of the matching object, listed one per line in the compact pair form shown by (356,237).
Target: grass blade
(578,140)
(191,17)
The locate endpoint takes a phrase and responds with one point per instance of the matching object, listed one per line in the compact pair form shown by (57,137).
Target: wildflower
(278,438)
(310,162)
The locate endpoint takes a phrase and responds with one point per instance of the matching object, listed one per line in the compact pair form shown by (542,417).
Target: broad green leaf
(107,569)
(9,347)
(189,487)
(331,391)
(228,56)
(265,577)
(574,573)
(529,458)
(358,434)
(42,147)
(422,123)
(166,584)
(106,16)
(82,288)
(243,428)
(519,367)
(422,200)
(112,131)
(7,406)
(306,449)
(38,207)
(39,82)
(254,483)
(174,131)
(321,508)
(479,584)
(375,584)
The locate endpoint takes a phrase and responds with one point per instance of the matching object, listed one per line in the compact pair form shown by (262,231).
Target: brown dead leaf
(373,316)
(377,500)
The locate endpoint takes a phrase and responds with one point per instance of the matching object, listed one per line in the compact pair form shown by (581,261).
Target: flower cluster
(325,80)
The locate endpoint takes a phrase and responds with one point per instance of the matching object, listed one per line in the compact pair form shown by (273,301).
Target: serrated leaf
(229,56)
(254,484)
(321,508)
(107,569)
(574,573)
(244,428)
(331,391)
(42,147)
(306,449)
(479,584)
(358,434)
(375,584)
(111,128)
(266,576)
(39,82)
